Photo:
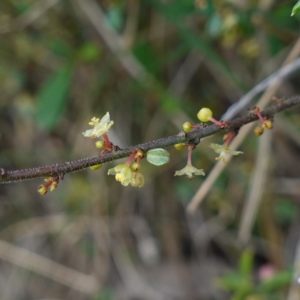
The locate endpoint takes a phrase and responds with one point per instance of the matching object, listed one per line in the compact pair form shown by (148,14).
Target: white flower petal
(223,150)
(100,128)
(189,171)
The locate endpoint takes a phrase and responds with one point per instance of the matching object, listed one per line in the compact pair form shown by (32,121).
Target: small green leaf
(296,8)
(52,98)
(158,157)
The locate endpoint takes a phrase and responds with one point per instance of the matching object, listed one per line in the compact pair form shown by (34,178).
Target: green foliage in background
(243,285)
(53,97)
(296,8)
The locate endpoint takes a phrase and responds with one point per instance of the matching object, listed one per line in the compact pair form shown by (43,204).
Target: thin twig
(219,167)
(59,170)
(241,104)
(131,24)
(112,39)
(29,16)
(31,261)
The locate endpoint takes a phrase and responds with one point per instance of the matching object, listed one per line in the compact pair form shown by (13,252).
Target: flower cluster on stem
(100,129)
(265,123)
(129,173)
(51,184)
(189,170)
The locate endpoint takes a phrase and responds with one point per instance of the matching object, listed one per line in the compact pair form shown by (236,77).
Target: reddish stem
(197,126)
(108,144)
(219,123)
(48,183)
(262,119)
(189,161)
(256,111)
(231,135)
(131,157)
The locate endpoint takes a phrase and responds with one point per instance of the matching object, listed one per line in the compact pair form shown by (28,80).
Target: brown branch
(73,166)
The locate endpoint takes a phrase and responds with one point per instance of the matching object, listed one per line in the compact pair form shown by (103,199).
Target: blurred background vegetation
(152,64)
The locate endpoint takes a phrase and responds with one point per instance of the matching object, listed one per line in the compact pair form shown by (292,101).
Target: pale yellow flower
(122,173)
(100,126)
(223,150)
(189,171)
(137,180)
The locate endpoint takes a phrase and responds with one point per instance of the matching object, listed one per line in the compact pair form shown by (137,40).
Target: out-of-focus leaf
(214,25)
(234,282)
(52,98)
(246,262)
(181,9)
(21,7)
(104,294)
(275,45)
(277,282)
(169,103)
(89,52)
(147,56)
(60,47)
(285,211)
(115,16)
(296,8)
(278,17)
(197,42)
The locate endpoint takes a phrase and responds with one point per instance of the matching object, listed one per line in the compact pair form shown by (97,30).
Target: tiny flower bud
(258,130)
(179,146)
(204,114)
(267,124)
(187,126)
(100,144)
(135,166)
(42,189)
(139,154)
(95,167)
